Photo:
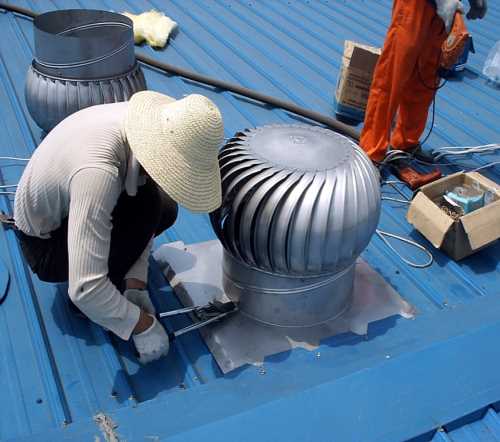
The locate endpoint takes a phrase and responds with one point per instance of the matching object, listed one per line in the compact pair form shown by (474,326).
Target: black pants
(135,221)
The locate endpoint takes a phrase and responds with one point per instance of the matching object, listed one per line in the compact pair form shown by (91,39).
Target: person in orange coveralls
(406,75)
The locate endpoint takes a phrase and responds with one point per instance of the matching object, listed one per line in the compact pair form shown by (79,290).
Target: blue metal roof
(407,379)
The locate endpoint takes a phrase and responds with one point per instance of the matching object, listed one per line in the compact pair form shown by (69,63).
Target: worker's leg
(168,214)
(404,42)
(135,221)
(418,96)
(47,258)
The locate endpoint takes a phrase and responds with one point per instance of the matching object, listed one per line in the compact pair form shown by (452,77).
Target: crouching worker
(98,189)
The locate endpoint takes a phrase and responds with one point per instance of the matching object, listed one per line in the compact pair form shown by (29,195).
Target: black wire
(328,121)
(435,89)
(18,10)
(432,122)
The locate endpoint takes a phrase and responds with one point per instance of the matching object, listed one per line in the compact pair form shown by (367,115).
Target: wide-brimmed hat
(177,142)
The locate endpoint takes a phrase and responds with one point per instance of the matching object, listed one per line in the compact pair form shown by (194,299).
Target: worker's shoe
(416,152)
(420,154)
(7,221)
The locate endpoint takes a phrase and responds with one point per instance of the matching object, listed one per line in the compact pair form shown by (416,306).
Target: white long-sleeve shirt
(79,171)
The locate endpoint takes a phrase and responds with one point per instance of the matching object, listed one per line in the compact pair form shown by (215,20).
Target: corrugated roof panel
(408,378)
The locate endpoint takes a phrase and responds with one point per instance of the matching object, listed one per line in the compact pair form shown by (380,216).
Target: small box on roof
(355,79)
(459,214)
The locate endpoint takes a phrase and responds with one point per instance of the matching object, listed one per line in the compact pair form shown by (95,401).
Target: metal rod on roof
(318,117)
(18,10)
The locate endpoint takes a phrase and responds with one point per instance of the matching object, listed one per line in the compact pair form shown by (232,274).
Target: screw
(114,394)
(318,355)
(262,371)
(195,378)
(182,386)
(65,423)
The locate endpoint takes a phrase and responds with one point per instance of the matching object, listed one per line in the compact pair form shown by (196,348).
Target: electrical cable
(487,148)
(397,200)
(431,128)
(395,155)
(18,10)
(493,146)
(14,158)
(393,183)
(383,234)
(326,120)
(486,166)
(435,89)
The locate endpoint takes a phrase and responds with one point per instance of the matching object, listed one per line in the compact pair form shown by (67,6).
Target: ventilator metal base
(195,273)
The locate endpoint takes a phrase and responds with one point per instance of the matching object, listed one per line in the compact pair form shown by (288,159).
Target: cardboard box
(355,78)
(466,235)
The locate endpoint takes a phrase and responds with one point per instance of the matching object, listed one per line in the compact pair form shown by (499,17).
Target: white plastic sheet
(492,64)
(195,273)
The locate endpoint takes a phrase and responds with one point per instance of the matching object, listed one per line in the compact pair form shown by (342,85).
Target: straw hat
(177,142)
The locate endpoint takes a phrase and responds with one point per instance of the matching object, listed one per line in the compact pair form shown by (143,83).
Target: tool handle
(178,311)
(414,179)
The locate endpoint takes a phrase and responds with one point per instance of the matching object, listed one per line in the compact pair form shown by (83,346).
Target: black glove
(477,9)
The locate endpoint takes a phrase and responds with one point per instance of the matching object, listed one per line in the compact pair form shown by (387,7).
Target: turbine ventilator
(300,203)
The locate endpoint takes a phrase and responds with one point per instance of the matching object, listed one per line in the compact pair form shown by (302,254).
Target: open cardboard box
(466,235)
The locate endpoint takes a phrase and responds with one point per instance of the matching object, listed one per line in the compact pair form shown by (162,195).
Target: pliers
(212,312)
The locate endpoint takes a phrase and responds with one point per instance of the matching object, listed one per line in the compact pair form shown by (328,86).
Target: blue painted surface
(406,380)
(4,281)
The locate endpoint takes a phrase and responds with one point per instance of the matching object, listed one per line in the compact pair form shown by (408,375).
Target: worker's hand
(446,10)
(152,343)
(477,9)
(141,299)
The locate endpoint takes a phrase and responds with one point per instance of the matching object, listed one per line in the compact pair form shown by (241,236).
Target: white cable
(466,150)
(15,158)
(465,147)
(7,186)
(393,182)
(398,200)
(486,166)
(469,152)
(382,234)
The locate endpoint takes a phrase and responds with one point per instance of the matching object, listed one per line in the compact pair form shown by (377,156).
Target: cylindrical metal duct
(300,203)
(82,58)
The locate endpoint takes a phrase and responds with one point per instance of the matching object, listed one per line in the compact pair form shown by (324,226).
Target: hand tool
(207,314)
